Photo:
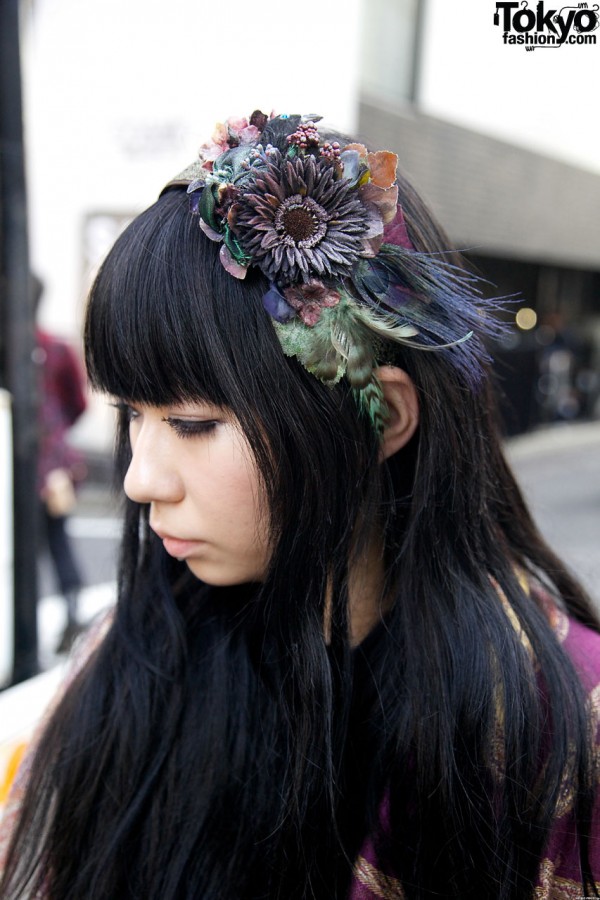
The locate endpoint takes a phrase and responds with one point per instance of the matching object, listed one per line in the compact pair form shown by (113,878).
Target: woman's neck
(365,590)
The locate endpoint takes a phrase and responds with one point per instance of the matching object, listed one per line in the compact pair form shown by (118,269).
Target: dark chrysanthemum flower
(296,221)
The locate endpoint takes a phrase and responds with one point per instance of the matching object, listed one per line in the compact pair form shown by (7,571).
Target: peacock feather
(441,302)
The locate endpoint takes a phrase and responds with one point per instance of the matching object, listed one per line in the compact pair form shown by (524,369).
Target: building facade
(528,220)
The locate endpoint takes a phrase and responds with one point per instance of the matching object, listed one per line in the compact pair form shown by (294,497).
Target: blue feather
(443,302)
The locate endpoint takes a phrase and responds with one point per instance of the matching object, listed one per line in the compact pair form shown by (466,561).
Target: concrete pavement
(559,470)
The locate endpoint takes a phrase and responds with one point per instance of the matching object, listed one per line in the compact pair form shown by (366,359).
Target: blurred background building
(118,95)
(516,185)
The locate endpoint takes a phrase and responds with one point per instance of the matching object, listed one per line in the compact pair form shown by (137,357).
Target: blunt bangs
(159,331)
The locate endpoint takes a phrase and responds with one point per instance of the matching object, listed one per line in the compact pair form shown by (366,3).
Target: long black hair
(217,745)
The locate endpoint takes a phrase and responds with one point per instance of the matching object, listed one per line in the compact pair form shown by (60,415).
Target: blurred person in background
(343,661)
(560,360)
(62,401)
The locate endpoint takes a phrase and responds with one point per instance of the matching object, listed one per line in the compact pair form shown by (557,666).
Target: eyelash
(190,427)
(184,428)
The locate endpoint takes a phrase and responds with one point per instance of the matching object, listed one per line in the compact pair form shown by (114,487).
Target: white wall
(119,94)
(545,100)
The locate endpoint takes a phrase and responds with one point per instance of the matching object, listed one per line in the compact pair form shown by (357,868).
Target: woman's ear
(403,404)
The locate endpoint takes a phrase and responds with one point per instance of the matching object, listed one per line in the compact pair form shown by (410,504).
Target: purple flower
(296,219)
(277,306)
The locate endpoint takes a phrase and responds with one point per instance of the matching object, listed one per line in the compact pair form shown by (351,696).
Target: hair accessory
(320,218)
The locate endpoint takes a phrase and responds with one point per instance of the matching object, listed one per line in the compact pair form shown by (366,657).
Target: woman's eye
(126,410)
(190,427)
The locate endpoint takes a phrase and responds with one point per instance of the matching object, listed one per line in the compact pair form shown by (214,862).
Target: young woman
(343,663)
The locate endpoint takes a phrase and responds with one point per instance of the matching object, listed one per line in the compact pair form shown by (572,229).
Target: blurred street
(559,471)
(95,530)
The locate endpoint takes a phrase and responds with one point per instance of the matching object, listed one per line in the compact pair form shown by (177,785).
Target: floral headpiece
(321,220)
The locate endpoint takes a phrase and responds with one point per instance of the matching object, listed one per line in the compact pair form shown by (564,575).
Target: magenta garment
(560,872)
(62,402)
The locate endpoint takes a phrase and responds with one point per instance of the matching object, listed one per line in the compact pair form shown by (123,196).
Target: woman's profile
(343,663)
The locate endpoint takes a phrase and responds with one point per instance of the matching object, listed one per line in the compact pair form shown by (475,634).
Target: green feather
(344,342)
(338,344)
(372,402)
(387,329)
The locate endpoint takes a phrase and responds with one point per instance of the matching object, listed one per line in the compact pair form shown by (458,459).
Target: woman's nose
(152,475)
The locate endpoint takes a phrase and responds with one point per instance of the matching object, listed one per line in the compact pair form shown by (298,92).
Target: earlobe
(401,397)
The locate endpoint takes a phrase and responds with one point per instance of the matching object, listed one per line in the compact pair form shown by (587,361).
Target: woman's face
(193,465)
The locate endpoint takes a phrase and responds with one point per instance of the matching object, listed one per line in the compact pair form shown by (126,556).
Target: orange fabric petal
(383,165)
(360,149)
(385,199)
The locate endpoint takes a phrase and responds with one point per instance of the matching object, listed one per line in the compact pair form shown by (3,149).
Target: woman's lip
(179,548)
